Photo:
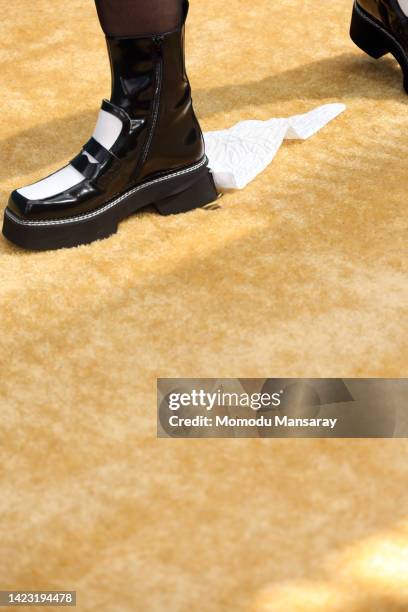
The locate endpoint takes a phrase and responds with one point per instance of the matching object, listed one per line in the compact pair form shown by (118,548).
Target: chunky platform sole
(175,193)
(370,36)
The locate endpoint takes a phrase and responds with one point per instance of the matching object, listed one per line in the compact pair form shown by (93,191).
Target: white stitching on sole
(102,210)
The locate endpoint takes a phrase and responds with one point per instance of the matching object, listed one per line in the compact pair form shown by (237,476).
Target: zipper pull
(158,40)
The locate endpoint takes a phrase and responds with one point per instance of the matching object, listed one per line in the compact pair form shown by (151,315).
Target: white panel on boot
(52,185)
(107,131)
(404,6)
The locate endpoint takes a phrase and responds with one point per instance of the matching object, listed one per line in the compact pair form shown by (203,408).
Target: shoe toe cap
(18,204)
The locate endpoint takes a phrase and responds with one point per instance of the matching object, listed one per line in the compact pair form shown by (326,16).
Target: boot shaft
(149,82)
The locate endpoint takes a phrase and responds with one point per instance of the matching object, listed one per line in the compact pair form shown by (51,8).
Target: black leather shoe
(157,158)
(379,27)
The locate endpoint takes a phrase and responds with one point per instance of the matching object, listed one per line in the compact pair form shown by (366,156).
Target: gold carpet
(299,275)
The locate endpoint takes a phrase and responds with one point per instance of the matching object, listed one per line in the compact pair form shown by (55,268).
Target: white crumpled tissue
(237,155)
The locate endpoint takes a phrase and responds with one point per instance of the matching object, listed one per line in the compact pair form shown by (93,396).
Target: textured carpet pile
(301,274)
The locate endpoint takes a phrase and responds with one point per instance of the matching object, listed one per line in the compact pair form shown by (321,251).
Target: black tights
(136,17)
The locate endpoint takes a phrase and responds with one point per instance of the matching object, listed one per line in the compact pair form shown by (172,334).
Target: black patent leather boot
(379,27)
(157,157)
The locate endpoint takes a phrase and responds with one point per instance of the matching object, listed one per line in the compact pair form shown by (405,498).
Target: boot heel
(367,35)
(202,192)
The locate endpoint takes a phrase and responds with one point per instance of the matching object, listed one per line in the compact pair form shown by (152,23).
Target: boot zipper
(158,41)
